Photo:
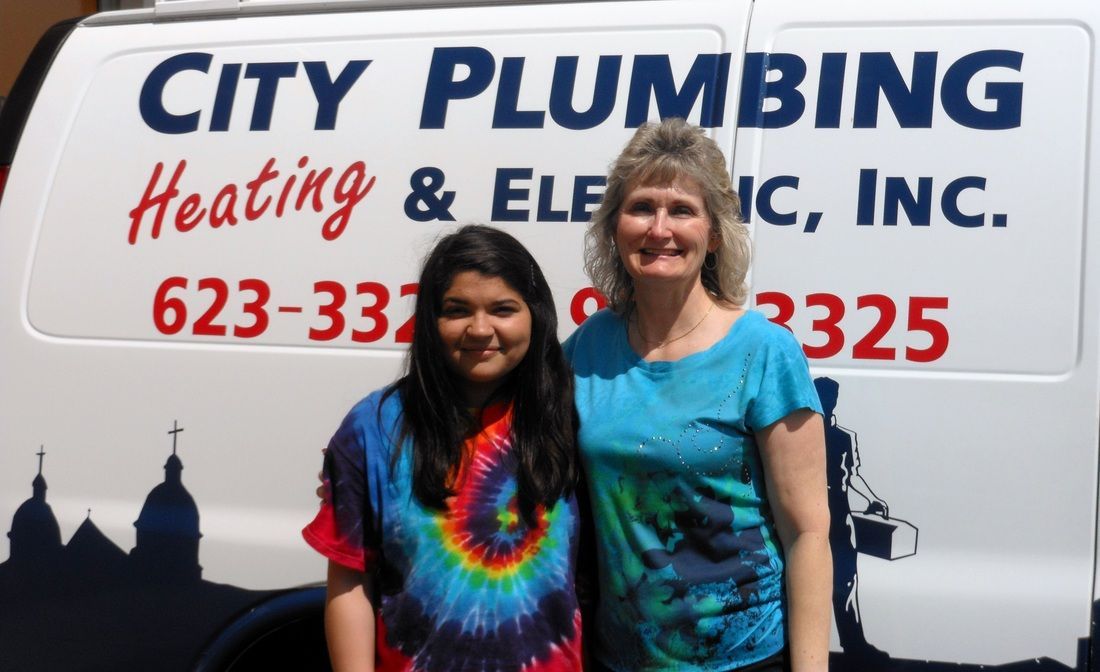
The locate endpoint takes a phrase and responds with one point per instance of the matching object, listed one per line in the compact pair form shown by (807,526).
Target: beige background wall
(22,22)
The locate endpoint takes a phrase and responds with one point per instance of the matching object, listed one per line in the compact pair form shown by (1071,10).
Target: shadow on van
(89,605)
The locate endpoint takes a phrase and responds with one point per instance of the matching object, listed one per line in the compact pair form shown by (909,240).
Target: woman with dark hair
(701,433)
(450,524)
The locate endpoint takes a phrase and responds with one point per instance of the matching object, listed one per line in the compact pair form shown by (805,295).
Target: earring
(712,258)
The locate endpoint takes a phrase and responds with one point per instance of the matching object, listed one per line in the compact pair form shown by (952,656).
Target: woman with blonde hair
(701,436)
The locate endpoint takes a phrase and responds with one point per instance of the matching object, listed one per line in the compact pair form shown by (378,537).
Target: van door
(209,243)
(918,179)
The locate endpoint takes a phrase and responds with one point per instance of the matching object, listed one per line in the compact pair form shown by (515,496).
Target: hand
(878,508)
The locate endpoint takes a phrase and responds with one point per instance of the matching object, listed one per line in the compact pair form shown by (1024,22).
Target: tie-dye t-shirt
(691,571)
(474,588)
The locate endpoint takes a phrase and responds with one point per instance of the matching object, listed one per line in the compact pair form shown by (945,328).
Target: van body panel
(211,228)
(985,442)
(211,232)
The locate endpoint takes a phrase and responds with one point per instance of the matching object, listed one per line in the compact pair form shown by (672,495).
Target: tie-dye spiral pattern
(473,588)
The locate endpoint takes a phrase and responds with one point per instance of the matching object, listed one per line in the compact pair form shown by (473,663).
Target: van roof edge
(205,9)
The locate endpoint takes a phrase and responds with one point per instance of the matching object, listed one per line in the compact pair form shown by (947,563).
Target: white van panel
(92,308)
(979,428)
(961,332)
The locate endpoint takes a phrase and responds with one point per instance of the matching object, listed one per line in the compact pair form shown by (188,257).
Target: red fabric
(323,536)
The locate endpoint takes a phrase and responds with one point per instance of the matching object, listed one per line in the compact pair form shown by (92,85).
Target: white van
(214,211)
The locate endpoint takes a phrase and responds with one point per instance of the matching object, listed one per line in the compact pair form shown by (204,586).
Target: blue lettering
(151,99)
(503,194)
(764,200)
(865,197)
(755,89)
(770,95)
(744,190)
(652,76)
(267,76)
(898,195)
(878,76)
(507,114)
(223,99)
(950,202)
(1007,95)
(603,94)
(546,197)
(583,197)
(328,92)
(442,87)
(830,89)
(918,209)
(912,107)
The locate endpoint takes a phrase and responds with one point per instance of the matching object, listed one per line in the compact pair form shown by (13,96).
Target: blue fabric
(470,588)
(691,571)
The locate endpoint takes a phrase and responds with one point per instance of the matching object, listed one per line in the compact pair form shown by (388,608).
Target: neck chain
(661,344)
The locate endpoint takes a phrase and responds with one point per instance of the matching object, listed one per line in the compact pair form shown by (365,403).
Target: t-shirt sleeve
(784,384)
(593,333)
(343,531)
(569,346)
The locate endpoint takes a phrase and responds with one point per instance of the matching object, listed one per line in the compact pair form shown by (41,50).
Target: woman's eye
(639,208)
(683,211)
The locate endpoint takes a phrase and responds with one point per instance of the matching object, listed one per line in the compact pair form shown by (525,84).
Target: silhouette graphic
(168,535)
(842,471)
(868,529)
(35,535)
(88,605)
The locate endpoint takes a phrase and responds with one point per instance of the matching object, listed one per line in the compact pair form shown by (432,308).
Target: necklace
(661,344)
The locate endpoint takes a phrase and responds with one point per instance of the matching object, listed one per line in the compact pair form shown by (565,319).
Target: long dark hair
(544,421)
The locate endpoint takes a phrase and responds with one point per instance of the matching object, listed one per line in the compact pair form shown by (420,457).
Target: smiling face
(485,329)
(664,232)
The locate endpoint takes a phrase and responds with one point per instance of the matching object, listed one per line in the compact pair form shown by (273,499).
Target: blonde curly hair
(658,154)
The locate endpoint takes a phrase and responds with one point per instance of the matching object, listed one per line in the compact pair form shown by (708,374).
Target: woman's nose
(479,326)
(658,226)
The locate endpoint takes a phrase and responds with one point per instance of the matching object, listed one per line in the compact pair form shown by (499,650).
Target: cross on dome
(175,434)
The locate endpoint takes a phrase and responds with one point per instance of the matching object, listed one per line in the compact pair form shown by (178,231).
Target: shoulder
(763,334)
(594,329)
(778,375)
(375,413)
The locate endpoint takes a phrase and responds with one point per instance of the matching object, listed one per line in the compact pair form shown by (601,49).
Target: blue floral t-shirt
(691,571)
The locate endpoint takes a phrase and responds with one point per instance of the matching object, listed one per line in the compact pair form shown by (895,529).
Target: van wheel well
(283,633)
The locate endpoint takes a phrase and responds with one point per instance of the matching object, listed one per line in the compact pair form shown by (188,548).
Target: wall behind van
(22,23)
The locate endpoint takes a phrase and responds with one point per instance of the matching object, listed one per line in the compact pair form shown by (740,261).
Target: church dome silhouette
(168,534)
(169,508)
(35,534)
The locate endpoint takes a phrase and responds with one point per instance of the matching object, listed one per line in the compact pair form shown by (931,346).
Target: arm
(349,619)
(793,452)
(875,504)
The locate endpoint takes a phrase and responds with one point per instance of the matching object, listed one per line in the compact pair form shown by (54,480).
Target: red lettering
(287,187)
(349,196)
(190,206)
(319,191)
(227,194)
(160,201)
(313,183)
(251,212)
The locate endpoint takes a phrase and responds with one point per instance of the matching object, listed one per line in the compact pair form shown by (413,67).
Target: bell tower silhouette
(167,549)
(35,535)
